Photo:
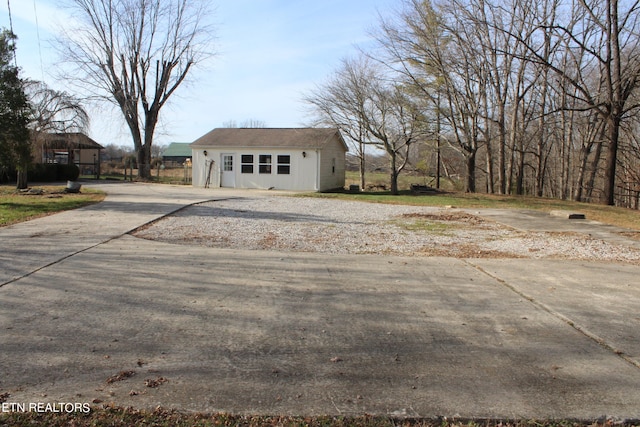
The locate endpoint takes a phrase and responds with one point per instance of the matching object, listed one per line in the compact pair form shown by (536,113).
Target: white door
(228,177)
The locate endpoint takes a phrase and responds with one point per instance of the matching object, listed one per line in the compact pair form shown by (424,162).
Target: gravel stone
(306,224)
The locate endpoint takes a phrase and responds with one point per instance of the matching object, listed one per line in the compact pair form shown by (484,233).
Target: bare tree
(55,111)
(135,54)
(369,107)
(341,102)
(249,123)
(604,35)
(397,123)
(433,49)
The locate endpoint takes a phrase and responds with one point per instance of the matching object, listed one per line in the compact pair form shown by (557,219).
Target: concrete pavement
(293,333)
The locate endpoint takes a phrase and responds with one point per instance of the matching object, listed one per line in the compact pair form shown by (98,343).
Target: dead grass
(613,215)
(125,417)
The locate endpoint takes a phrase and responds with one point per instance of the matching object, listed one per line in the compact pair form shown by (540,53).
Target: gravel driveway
(301,224)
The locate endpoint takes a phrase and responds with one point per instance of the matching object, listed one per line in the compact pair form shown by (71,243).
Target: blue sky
(269,52)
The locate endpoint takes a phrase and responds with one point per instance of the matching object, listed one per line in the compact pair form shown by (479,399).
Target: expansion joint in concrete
(596,338)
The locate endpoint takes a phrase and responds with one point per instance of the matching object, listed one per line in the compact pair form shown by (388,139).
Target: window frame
(265,164)
(227,165)
(283,166)
(246,167)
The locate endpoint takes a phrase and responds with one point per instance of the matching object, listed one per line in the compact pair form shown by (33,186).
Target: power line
(15,56)
(10,20)
(35,12)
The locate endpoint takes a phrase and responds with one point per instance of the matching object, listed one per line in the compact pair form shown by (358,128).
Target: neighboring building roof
(177,149)
(309,138)
(70,140)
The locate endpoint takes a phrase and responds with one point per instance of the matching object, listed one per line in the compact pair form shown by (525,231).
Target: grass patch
(621,217)
(116,417)
(404,180)
(16,206)
(426,226)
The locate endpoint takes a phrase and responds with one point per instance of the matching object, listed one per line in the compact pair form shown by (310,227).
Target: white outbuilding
(299,159)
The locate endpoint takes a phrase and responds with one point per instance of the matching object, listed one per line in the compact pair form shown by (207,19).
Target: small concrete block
(568,214)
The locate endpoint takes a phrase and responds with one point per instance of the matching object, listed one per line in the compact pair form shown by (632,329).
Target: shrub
(51,172)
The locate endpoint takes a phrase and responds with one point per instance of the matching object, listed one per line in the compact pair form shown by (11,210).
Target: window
(228,163)
(246,165)
(284,165)
(264,163)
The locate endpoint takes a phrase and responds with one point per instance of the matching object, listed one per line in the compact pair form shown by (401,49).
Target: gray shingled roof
(309,138)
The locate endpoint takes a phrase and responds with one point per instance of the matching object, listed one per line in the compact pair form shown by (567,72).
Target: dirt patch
(467,250)
(447,216)
(269,241)
(635,235)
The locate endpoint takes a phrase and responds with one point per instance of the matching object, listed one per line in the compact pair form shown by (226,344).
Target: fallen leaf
(155,383)
(120,376)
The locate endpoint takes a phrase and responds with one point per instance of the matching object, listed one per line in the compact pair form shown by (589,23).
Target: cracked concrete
(265,332)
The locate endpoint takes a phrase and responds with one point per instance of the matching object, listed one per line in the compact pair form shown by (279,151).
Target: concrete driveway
(91,314)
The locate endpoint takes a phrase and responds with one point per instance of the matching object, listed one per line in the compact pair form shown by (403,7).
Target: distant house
(302,159)
(176,153)
(68,148)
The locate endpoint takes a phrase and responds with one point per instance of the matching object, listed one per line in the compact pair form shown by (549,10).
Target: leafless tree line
(537,96)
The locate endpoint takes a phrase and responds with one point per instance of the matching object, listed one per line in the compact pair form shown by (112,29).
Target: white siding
(332,166)
(201,164)
(309,169)
(302,175)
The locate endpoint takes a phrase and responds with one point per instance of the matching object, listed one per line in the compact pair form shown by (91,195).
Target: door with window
(228,176)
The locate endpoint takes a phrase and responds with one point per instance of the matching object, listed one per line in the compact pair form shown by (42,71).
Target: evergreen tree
(15,147)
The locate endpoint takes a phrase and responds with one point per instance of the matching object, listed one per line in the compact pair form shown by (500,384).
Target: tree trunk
(609,195)
(566,152)
(540,162)
(470,178)
(143,157)
(394,174)
(490,187)
(520,173)
(502,145)
(582,171)
(438,151)
(22,182)
(594,171)
(362,166)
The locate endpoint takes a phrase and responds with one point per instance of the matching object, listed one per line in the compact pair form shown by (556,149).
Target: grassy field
(174,175)
(16,206)
(404,181)
(621,217)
